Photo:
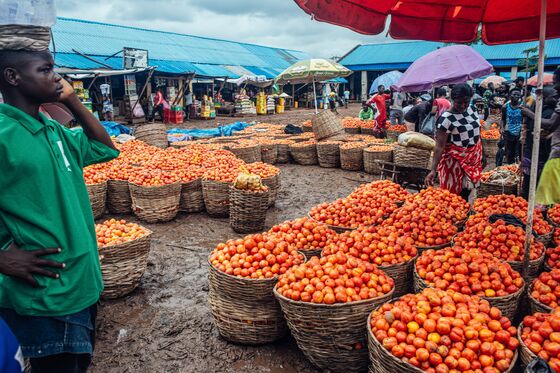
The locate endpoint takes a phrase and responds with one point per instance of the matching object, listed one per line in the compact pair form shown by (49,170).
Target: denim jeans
(397,116)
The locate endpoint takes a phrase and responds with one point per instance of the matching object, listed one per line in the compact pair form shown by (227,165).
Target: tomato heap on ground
(334,279)
(440,332)
(541,335)
(469,272)
(114,232)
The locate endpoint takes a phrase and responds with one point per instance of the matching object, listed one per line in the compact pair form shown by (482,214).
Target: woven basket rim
(534,261)
(216,181)
(232,187)
(334,305)
(124,244)
(248,280)
(190,182)
(522,344)
(155,187)
(529,291)
(413,259)
(98,184)
(435,247)
(332,227)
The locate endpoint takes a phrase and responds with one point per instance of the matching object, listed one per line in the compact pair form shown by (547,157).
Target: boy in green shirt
(367,112)
(50,278)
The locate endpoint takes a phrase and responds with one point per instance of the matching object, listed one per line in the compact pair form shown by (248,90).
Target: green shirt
(366,114)
(44,204)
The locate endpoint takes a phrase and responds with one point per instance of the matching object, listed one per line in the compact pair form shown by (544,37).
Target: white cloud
(276,23)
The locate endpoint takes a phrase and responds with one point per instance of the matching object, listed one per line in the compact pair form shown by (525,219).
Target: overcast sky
(276,23)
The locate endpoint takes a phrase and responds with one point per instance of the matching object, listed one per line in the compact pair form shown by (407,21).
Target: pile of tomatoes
(546,289)
(541,335)
(256,256)
(264,170)
(153,177)
(304,234)
(455,207)
(554,214)
(440,332)
(95,174)
(469,272)
(334,279)
(113,232)
(503,241)
(382,246)
(397,128)
(381,188)
(350,122)
(553,257)
(190,173)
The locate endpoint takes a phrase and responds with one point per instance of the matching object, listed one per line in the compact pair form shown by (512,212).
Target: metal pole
(315,96)
(536,140)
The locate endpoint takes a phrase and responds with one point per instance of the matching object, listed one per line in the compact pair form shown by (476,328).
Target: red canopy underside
(503,21)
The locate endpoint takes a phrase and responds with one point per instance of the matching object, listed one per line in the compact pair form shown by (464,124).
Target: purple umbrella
(449,65)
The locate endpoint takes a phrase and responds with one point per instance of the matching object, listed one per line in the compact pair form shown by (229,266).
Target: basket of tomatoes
(539,335)
(270,176)
(305,152)
(553,215)
(328,153)
(352,155)
(96,184)
(544,293)
(156,195)
(326,302)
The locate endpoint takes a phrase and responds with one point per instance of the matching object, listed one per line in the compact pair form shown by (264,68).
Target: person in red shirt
(379,99)
(158,105)
(441,103)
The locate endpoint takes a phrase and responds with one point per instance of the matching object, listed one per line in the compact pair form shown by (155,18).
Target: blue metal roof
(172,52)
(400,55)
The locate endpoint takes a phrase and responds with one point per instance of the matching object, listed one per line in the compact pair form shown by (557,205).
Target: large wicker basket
(372,155)
(123,265)
(326,124)
(118,197)
(269,153)
(535,305)
(526,355)
(245,310)
(411,157)
(534,267)
(154,134)
(247,210)
(402,275)
(304,155)
(490,148)
(192,199)
(216,197)
(98,197)
(352,130)
(156,204)
(508,304)
(488,189)
(284,151)
(273,185)
(329,335)
(249,153)
(352,159)
(328,154)
(384,362)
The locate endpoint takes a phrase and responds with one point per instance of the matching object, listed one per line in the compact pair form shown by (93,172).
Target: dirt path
(166,324)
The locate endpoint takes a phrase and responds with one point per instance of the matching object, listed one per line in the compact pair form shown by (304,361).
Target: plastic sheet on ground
(115,129)
(195,133)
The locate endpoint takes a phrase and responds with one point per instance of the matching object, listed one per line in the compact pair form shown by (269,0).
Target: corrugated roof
(172,51)
(388,55)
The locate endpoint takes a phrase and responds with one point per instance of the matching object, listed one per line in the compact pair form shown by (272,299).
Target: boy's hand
(23,264)
(67,92)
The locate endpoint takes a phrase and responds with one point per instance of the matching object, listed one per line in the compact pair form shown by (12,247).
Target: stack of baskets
(118,197)
(216,197)
(154,134)
(247,209)
(248,152)
(352,156)
(155,204)
(192,199)
(374,154)
(411,157)
(98,197)
(328,153)
(123,265)
(245,310)
(304,153)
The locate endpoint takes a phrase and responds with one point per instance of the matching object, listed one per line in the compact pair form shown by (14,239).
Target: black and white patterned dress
(463,129)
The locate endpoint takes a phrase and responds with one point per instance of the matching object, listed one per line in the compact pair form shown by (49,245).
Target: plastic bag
(538,365)
(428,126)
(416,140)
(248,181)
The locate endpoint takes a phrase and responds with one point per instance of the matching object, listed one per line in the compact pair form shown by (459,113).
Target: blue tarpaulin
(226,130)
(115,129)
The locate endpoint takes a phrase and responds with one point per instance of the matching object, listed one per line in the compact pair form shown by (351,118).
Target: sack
(416,140)
(291,129)
(428,126)
(538,365)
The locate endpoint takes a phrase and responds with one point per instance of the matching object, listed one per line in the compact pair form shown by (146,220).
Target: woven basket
(154,134)
(411,157)
(535,305)
(247,210)
(490,147)
(545,239)
(156,204)
(328,154)
(326,124)
(421,249)
(269,153)
(118,197)
(98,197)
(508,304)
(371,156)
(304,155)
(284,152)
(384,362)
(526,355)
(366,131)
(534,267)
(192,199)
(216,197)
(393,135)
(402,275)
(352,130)
(352,159)
(245,310)
(273,184)
(123,265)
(248,153)
(327,334)
(488,189)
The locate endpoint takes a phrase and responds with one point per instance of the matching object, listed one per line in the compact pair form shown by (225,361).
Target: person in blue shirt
(512,120)
(11,359)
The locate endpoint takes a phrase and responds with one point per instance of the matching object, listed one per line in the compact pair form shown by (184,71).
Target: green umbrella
(311,71)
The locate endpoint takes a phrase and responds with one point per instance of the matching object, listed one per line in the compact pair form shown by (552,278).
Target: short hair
(364,102)
(441,91)
(461,90)
(520,79)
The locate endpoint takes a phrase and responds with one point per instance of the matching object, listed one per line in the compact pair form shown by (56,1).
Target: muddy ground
(166,324)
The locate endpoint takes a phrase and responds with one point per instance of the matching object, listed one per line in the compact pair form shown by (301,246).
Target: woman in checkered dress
(458,153)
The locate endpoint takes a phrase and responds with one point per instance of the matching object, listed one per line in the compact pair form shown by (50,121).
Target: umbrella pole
(315,96)
(536,140)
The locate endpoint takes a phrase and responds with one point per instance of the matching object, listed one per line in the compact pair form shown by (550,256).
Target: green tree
(530,62)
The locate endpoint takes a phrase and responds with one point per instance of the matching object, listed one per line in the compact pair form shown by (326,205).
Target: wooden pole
(142,92)
(315,96)
(536,141)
